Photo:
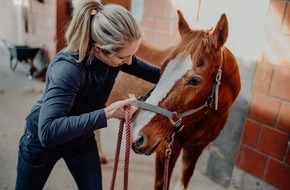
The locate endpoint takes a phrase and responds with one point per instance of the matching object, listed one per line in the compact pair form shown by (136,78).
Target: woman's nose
(128,60)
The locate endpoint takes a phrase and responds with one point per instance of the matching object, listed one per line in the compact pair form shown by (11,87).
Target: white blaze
(175,69)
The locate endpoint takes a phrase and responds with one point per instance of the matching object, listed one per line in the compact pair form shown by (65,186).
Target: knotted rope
(169,141)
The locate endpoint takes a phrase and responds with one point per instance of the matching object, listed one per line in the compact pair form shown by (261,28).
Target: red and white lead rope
(123,122)
(166,170)
(168,151)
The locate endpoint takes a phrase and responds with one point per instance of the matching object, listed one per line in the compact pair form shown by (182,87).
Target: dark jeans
(35,164)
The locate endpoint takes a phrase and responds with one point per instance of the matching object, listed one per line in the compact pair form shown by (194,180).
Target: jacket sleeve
(142,70)
(55,124)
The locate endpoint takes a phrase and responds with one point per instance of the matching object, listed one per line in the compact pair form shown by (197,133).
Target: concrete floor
(17,96)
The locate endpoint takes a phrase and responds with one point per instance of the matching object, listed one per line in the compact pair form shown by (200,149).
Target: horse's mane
(191,44)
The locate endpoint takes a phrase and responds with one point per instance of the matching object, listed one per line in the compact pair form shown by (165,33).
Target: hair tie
(99,8)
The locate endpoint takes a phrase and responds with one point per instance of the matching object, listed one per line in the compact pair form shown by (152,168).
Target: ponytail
(78,32)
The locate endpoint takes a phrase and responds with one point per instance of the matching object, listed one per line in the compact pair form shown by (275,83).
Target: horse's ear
(220,34)
(183,26)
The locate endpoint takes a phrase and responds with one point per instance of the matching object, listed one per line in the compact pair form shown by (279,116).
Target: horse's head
(187,82)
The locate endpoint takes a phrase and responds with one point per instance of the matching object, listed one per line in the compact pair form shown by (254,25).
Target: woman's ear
(97,48)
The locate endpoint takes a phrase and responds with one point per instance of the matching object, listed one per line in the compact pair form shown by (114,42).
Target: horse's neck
(152,55)
(231,73)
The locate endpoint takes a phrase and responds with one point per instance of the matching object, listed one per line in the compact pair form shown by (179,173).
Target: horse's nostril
(139,142)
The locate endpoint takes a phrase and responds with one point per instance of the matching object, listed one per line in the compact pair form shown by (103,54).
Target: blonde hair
(110,27)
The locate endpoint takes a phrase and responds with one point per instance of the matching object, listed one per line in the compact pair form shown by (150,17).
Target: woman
(101,41)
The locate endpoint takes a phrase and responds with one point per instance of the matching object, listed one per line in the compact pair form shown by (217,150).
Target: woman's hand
(116,109)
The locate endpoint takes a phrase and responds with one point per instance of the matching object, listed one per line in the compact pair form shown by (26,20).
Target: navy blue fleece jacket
(71,107)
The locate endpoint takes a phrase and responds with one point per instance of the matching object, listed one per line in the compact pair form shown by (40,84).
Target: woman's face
(124,56)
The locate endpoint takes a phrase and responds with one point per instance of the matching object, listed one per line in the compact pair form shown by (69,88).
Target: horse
(199,83)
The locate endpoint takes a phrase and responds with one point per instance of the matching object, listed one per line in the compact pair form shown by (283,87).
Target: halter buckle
(141,98)
(175,119)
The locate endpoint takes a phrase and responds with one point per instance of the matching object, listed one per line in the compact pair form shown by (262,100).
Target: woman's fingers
(133,109)
(128,101)
(116,109)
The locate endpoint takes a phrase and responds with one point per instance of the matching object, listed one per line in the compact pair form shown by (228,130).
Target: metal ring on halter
(218,77)
(168,152)
(169,141)
(209,101)
(175,115)
(144,97)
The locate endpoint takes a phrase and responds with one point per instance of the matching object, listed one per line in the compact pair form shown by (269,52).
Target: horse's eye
(195,81)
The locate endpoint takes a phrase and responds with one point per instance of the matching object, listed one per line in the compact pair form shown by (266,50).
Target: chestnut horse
(198,72)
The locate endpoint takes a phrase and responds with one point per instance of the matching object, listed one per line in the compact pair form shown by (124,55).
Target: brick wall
(263,150)
(160,23)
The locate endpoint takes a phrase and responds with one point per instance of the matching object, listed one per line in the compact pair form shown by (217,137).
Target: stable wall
(264,149)
(45,24)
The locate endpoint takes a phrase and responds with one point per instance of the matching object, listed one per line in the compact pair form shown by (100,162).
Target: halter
(174,117)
